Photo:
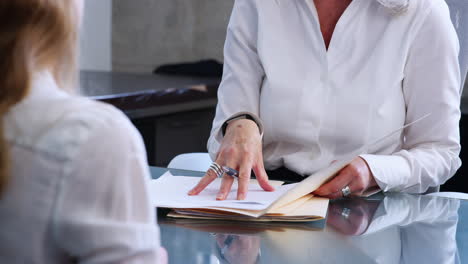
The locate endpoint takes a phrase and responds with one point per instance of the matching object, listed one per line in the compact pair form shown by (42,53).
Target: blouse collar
(44,87)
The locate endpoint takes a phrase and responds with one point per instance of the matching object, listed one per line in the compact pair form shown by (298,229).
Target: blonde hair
(36,35)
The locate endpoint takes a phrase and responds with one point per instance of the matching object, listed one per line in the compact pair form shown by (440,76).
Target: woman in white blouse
(73,172)
(324,78)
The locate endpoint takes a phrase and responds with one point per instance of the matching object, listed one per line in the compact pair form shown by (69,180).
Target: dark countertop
(144,95)
(391,228)
(141,95)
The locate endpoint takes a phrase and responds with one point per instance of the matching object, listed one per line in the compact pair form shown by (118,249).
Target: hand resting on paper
(241,150)
(356,175)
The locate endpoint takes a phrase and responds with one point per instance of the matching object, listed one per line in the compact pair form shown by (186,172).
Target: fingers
(226,184)
(357,176)
(262,176)
(244,179)
(357,187)
(332,189)
(240,150)
(209,177)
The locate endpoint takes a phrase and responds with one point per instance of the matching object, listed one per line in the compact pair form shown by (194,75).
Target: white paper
(171,192)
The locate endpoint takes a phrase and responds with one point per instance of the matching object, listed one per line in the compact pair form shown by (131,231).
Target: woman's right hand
(241,149)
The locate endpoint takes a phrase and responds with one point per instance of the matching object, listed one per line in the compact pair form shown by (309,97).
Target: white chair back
(191,161)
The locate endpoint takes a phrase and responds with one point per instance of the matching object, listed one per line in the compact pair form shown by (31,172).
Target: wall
(148,33)
(96,44)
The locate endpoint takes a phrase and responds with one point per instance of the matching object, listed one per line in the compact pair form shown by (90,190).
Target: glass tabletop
(390,228)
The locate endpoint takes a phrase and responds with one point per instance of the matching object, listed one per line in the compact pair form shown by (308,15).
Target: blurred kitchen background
(136,36)
(124,41)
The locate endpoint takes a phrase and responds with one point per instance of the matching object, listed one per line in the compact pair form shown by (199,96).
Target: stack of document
(288,203)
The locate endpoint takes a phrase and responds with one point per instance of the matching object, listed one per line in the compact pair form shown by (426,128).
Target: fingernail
(241,196)
(191,192)
(220,196)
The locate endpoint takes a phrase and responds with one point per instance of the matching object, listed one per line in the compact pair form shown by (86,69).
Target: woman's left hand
(357,176)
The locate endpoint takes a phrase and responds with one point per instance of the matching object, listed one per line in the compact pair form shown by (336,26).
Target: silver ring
(346,191)
(231,172)
(216,168)
(345,213)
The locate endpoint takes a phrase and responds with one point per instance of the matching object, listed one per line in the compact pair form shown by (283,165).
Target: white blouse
(79,183)
(381,71)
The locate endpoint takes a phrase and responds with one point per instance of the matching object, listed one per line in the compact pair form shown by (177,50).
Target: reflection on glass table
(237,249)
(396,228)
(402,229)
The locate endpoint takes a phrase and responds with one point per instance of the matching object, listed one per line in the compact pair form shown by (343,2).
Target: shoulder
(408,10)
(260,6)
(246,2)
(69,124)
(428,9)
(247,14)
(421,17)
(95,122)
(245,8)
(433,19)
(95,116)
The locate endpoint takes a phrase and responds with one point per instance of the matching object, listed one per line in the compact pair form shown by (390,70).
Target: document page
(311,183)
(171,192)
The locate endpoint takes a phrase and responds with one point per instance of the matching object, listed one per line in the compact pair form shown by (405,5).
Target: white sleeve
(431,85)
(243,72)
(104,214)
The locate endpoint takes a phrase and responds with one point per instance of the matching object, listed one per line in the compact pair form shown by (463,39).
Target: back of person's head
(37,35)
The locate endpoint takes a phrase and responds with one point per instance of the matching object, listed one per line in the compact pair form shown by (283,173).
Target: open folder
(288,203)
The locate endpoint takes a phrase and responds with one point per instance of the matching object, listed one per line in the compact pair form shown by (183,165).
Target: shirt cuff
(391,172)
